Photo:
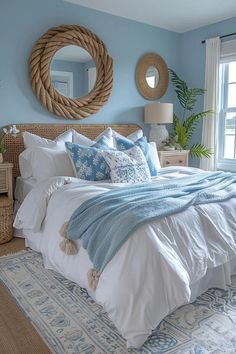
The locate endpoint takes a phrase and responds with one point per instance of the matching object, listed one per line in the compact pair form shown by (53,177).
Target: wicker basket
(6,219)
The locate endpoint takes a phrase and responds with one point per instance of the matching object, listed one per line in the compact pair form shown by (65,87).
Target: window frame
(222,162)
(65,77)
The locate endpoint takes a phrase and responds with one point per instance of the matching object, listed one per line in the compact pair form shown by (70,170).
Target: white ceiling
(175,15)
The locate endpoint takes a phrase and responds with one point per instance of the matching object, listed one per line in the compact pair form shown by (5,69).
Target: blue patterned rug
(69,321)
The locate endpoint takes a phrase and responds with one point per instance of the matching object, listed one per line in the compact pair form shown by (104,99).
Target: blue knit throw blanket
(104,223)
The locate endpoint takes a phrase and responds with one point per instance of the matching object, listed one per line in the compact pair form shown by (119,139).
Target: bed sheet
(22,188)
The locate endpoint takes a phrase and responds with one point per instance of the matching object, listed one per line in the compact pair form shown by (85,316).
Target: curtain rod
(226,35)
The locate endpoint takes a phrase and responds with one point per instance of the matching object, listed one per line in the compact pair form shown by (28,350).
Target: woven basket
(6,219)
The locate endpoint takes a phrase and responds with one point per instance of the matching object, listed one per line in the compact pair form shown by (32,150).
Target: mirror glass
(73,71)
(152,76)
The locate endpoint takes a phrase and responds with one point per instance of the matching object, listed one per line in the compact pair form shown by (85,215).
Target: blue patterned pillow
(102,143)
(129,166)
(124,144)
(89,163)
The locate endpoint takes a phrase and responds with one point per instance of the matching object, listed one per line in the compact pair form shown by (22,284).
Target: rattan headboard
(14,145)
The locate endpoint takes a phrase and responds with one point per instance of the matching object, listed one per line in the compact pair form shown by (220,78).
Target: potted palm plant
(184,127)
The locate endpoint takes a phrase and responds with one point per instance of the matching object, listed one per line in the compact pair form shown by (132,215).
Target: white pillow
(107,132)
(83,140)
(46,163)
(132,137)
(129,166)
(25,165)
(33,140)
(136,135)
(154,154)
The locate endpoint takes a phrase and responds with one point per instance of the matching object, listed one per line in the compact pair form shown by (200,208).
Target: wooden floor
(17,335)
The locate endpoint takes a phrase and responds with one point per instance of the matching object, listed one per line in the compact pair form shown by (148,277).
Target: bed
(163,264)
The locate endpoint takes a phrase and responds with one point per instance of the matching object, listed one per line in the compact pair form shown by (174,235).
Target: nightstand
(6,202)
(6,179)
(173,157)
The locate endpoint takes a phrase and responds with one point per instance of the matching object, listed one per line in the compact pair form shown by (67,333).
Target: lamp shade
(158,113)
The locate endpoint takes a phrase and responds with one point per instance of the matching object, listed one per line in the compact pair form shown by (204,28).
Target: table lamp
(158,114)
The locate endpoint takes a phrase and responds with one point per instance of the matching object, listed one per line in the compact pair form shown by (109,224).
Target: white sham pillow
(136,135)
(83,140)
(46,163)
(33,140)
(154,154)
(133,137)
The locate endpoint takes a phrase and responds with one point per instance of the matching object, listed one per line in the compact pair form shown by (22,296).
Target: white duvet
(154,270)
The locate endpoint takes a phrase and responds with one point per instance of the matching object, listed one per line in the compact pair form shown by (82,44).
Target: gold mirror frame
(39,71)
(152,59)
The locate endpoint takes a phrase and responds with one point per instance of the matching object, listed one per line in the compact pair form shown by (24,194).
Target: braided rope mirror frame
(39,71)
(156,61)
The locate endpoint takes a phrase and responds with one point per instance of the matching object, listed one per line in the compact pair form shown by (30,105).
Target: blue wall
(192,60)
(23,22)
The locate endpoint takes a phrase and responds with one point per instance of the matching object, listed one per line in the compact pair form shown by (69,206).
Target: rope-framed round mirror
(71,72)
(152,76)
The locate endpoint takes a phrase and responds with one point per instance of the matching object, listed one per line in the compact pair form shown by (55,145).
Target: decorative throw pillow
(88,162)
(129,166)
(83,140)
(103,142)
(124,144)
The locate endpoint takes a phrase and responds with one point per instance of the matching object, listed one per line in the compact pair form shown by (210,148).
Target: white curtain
(211,98)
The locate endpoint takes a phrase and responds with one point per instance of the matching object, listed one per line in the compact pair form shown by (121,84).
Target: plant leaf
(187,97)
(199,150)
(180,132)
(191,122)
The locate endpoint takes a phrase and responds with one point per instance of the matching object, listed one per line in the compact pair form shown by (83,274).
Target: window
(92,76)
(227,110)
(63,82)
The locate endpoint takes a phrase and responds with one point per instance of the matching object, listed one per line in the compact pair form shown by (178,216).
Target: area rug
(69,321)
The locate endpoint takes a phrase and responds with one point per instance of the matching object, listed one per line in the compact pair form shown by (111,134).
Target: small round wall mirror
(152,76)
(73,71)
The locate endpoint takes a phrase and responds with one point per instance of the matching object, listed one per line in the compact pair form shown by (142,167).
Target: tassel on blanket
(67,246)
(93,278)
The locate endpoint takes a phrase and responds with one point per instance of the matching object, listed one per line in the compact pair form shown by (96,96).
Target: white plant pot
(1,158)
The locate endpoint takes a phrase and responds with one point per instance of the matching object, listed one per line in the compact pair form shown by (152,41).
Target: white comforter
(153,271)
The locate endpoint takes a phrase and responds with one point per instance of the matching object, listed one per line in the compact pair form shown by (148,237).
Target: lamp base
(158,133)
